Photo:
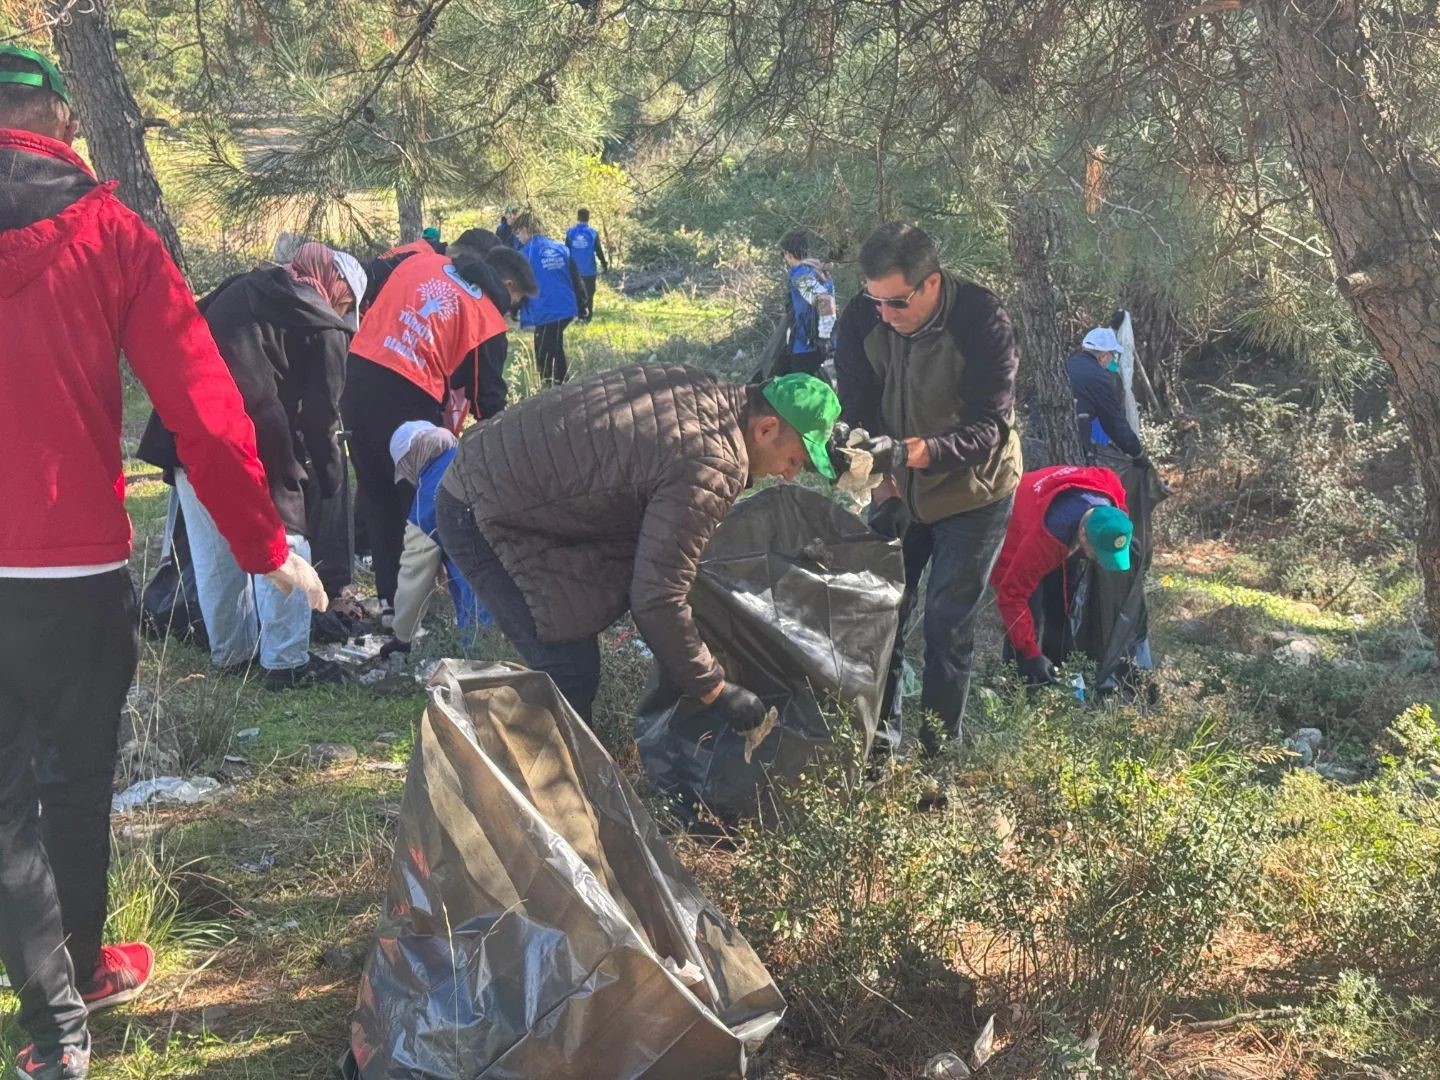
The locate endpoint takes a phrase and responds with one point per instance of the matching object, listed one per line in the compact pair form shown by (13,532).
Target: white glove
(296,573)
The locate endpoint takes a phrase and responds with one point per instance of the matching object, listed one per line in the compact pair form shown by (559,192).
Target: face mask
(1114,364)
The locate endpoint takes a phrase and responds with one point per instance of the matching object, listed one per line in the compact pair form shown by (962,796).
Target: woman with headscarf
(284,331)
(422,452)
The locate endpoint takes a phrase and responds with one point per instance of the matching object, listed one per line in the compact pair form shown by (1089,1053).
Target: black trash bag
(170,601)
(799,601)
(536,924)
(1108,614)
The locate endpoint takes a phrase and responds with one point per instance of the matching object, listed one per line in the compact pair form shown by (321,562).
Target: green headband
(47,78)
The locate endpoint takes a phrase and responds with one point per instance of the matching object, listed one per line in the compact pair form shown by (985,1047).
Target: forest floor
(262,902)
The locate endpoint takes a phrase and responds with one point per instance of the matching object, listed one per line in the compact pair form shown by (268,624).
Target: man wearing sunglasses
(925,362)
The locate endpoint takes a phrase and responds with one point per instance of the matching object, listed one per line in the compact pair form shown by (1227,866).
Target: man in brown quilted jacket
(600,495)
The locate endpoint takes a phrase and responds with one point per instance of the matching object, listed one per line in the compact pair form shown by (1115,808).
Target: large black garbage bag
(799,601)
(1108,613)
(536,924)
(170,601)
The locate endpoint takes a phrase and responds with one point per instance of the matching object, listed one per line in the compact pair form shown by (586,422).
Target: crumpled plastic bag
(536,924)
(172,789)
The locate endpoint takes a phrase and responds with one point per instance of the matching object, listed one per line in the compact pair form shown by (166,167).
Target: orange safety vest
(425,321)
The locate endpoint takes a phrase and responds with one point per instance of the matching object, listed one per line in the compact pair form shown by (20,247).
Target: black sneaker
(68,1063)
(312,673)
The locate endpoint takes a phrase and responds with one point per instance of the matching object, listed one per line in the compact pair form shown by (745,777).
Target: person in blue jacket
(558,302)
(811,292)
(422,452)
(584,244)
(1099,404)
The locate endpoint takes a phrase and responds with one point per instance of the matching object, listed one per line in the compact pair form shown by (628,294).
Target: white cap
(1101,339)
(404,435)
(355,276)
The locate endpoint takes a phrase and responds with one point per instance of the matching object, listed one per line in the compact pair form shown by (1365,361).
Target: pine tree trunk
(110,120)
(411,207)
(1036,308)
(1359,169)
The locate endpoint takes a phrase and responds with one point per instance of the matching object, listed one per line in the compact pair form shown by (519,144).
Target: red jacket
(1031,552)
(83,279)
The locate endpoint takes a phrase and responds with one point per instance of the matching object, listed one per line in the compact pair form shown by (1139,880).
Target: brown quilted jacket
(601,495)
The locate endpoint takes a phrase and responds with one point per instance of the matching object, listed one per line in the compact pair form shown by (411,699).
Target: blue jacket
(556,276)
(468,610)
(1097,394)
(584,244)
(807,282)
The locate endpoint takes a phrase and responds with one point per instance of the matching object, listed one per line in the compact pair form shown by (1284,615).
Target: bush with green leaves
(1081,876)
(844,890)
(1356,877)
(1266,463)
(1355,1021)
(1127,856)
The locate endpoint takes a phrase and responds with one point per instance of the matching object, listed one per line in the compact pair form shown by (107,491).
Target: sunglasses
(895,303)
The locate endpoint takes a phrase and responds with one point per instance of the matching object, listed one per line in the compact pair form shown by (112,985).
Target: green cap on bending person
(810,406)
(1109,531)
(47,78)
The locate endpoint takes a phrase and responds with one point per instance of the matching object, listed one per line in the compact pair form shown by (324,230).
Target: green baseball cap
(1109,531)
(47,78)
(810,406)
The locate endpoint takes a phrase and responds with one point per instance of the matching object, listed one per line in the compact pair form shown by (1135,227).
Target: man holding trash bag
(925,363)
(601,495)
(1059,512)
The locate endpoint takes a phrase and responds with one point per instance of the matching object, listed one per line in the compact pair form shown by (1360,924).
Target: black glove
(393,646)
(738,707)
(839,460)
(888,454)
(1038,671)
(1140,461)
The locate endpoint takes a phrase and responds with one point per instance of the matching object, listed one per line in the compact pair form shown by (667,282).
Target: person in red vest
(435,314)
(83,279)
(1059,512)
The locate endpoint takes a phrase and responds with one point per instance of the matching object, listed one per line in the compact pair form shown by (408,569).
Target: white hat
(355,276)
(404,435)
(1101,339)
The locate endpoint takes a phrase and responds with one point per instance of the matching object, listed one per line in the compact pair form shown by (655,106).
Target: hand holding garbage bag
(1038,671)
(737,707)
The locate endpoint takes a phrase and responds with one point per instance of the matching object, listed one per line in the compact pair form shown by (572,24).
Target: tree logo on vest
(438,300)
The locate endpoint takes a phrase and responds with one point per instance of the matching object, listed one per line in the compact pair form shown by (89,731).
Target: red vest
(1030,552)
(425,321)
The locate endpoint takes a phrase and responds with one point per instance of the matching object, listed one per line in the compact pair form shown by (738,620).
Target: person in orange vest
(437,317)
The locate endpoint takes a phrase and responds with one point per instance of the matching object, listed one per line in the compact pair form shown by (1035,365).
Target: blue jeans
(574,666)
(961,551)
(243,613)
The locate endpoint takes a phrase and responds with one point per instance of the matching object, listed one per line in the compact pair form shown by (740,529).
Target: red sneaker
(121,976)
(71,1063)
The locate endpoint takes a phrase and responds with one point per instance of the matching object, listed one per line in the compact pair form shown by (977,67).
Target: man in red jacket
(83,279)
(1058,512)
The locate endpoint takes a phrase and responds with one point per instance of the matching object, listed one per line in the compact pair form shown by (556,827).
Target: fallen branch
(1195,1027)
